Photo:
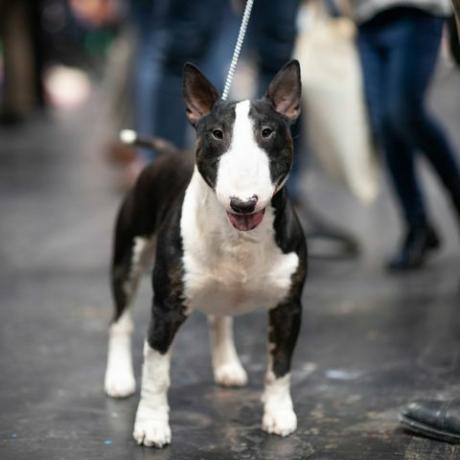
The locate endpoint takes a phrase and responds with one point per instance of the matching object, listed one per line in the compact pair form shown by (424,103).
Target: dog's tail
(161,146)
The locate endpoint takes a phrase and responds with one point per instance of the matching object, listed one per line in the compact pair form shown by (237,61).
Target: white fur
(227,367)
(139,246)
(279,416)
(119,375)
(244,170)
(141,260)
(151,427)
(228,272)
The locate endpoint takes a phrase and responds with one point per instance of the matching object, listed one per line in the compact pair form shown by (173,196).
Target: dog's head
(244,149)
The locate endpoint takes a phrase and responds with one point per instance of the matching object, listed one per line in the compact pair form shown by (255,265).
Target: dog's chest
(236,277)
(227,272)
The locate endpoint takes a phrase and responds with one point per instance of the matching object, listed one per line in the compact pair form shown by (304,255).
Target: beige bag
(334,108)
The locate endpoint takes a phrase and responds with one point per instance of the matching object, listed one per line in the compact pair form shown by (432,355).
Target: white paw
(230,375)
(281,422)
(152,432)
(119,384)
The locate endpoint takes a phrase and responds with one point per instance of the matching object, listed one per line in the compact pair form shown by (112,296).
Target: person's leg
(378,67)
(401,164)
(377,42)
(191,28)
(149,19)
(273,30)
(39,51)
(216,63)
(413,42)
(416,57)
(18,90)
(407,80)
(372,59)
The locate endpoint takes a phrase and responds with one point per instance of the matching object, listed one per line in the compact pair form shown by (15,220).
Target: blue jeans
(203,32)
(272,33)
(398,51)
(171,32)
(149,18)
(193,31)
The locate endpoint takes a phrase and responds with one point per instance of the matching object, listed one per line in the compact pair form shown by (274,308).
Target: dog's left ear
(285,91)
(199,94)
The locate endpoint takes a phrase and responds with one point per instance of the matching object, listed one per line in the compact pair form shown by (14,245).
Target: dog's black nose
(243,207)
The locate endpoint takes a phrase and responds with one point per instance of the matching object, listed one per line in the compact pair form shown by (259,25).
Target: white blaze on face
(244,170)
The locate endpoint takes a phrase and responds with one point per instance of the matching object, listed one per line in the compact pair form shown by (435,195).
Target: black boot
(418,243)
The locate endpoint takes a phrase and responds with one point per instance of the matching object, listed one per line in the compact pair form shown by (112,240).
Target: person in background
(22,42)
(170,33)
(398,43)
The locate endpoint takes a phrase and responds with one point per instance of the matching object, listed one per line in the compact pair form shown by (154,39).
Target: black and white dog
(227,242)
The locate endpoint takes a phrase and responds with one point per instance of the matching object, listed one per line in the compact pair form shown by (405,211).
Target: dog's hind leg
(126,270)
(227,367)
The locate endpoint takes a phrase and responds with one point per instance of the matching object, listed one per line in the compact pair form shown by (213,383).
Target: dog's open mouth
(245,222)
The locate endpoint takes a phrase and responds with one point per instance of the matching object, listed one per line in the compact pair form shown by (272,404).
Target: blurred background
(376,184)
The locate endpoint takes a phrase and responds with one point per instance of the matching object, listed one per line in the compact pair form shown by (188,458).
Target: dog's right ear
(199,94)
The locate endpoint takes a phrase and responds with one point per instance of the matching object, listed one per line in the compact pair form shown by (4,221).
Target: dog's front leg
(284,325)
(151,427)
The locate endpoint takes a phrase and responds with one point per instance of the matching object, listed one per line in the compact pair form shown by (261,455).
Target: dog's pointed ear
(199,94)
(285,91)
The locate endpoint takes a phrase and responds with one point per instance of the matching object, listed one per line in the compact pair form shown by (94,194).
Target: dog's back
(159,185)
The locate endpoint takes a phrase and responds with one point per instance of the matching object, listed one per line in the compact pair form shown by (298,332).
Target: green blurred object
(97,42)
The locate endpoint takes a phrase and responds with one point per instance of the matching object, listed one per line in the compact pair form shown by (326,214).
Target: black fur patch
(209,149)
(285,320)
(279,145)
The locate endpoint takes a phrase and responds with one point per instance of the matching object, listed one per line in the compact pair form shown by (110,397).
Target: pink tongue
(245,222)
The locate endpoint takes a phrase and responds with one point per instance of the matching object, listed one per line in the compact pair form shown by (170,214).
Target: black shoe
(433,418)
(419,242)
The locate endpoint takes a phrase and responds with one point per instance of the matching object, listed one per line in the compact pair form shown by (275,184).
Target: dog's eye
(267,132)
(218,134)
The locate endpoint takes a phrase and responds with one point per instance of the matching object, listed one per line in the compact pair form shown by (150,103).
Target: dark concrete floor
(369,344)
